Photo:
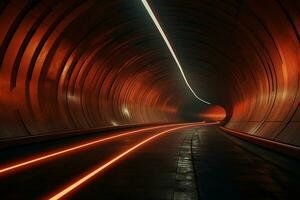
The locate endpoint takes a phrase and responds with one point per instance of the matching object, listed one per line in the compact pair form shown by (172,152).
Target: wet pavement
(194,163)
(230,168)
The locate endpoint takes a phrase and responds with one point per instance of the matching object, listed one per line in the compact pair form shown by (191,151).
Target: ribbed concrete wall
(70,64)
(267,100)
(243,55)
(73,64)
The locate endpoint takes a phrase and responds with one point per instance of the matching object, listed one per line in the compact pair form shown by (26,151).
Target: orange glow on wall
(56,77)
(213,113)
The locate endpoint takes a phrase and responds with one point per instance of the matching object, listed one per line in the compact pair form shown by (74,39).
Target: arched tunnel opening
(84,67)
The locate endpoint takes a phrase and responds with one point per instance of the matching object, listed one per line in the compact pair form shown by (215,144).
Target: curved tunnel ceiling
(243,55)
(74,64)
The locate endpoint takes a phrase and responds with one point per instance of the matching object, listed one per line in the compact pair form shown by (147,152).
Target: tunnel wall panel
(252,47)
(268,29)
(68,65)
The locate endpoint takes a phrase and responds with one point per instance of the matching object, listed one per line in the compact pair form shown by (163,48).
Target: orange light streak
(51,155)
(77,183)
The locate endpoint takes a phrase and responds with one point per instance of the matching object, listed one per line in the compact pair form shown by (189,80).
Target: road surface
(182,161)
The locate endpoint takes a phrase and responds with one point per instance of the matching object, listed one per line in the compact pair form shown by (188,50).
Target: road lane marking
(85,178)
(67,150)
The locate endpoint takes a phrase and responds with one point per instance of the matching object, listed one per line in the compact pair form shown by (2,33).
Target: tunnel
(72,70)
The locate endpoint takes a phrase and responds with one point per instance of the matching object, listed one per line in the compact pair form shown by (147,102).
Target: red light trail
(67,150)
(85,178)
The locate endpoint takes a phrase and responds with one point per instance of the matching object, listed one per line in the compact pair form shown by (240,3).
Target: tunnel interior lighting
(126,111)
(114,123)
(154,19)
